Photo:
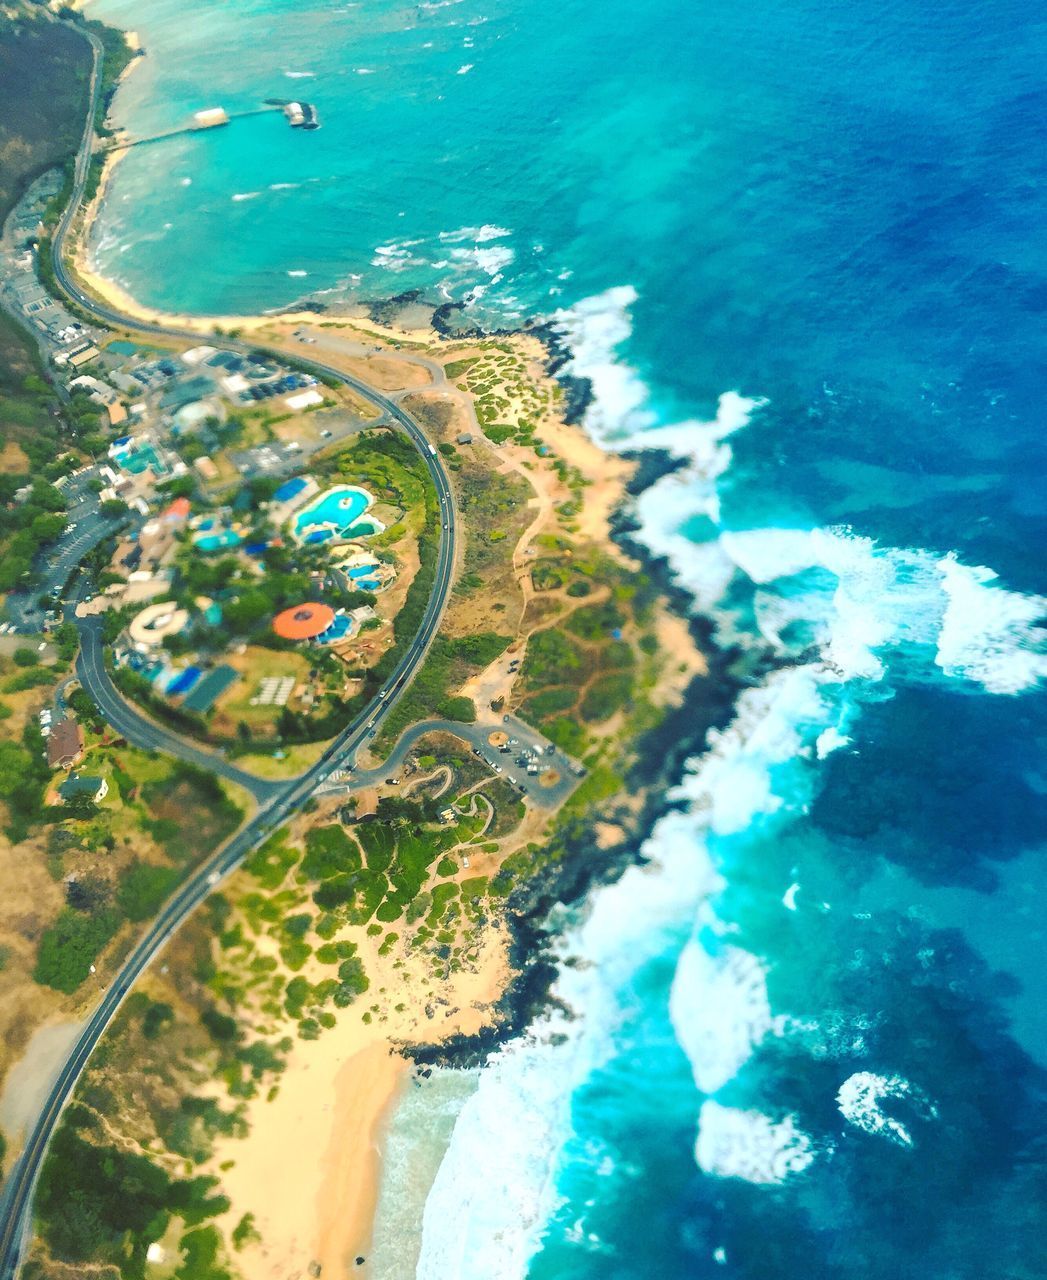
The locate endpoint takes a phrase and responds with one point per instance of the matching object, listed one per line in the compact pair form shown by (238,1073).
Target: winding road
(276,800)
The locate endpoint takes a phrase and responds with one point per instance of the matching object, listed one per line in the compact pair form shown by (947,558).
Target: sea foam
(857,603)
(870,601)
(860,1096)
(734,1143)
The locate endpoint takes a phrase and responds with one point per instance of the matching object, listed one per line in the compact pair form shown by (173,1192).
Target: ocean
(800,248)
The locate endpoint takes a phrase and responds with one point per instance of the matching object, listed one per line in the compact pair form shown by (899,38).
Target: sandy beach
(308,1170)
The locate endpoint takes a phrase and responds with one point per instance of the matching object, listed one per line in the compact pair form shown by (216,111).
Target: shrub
(71,945)
(143,889)
(329,852)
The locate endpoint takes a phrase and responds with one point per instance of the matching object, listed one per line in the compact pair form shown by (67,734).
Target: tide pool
(799,247)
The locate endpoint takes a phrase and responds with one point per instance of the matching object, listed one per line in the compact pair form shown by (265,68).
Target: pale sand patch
(607,474)
(686,659)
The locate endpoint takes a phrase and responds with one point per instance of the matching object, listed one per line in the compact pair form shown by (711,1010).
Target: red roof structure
(178,510)
(303,621)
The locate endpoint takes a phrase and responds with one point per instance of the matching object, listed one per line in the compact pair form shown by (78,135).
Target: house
(65,746)
(466,437)
(77,784)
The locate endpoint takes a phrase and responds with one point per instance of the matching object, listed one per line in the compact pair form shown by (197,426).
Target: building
(291,495)
(304,621)
(210,118)
(94,389)
(304,400)
(65,746)
(96,789)
(149,628)
(81,356)
(466,437)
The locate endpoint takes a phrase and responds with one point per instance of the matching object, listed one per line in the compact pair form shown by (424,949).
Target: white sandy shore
(309,1168)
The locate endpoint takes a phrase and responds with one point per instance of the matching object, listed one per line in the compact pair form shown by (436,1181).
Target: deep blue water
(835,211)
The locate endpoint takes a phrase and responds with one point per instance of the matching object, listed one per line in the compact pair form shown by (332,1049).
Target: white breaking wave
(495,1189)
(245,195)
(884,597)
(990,635)
(746,1144)
(860,1096)
(478,235)
(720,1011)
(853,602)
(491,261)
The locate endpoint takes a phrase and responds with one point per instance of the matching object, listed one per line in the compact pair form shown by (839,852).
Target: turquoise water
(333,514)
(218,541)
(800,247)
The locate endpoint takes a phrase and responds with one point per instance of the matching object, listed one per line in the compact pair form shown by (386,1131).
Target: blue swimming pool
(339,628)
(183,682)
(333,515)
(217,541)
(362,571)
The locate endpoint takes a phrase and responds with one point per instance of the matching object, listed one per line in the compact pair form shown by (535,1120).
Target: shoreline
(357,1071)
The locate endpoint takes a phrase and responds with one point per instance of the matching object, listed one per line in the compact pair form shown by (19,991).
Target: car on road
(392,782)
(325,435)
(213,878)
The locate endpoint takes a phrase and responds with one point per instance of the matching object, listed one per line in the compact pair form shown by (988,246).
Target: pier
(299,115)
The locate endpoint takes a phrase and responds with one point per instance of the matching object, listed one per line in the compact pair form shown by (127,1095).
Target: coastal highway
(17,1194)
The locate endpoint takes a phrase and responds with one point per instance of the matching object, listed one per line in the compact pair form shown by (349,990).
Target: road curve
(277,804)
(139,729)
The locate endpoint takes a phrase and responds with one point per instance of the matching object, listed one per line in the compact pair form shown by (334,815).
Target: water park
(336,516)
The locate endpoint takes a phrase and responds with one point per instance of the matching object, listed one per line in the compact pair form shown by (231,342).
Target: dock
(299,115)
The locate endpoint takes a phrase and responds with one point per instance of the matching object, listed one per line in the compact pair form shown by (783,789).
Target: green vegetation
(448,664)
(23,778)
(44,68)
(143,890)
(71,945)
(329,852)
(99,1204)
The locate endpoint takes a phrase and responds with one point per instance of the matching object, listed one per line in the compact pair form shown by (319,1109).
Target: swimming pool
(334,515)
(217,541)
